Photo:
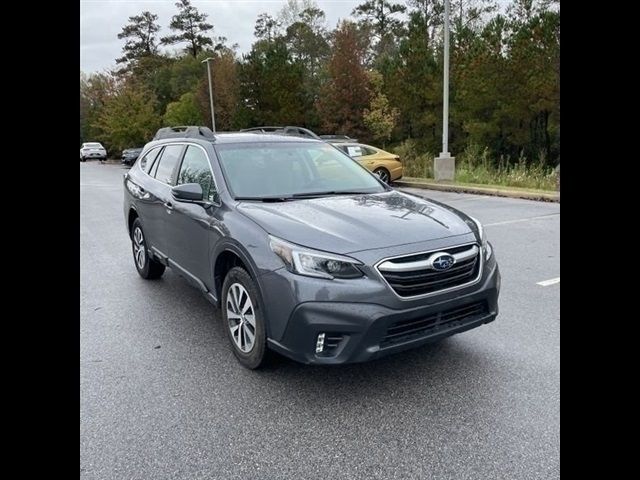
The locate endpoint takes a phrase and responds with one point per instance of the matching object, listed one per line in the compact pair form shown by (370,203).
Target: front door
(195,227)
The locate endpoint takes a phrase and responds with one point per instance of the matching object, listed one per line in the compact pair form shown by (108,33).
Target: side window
(368,151)
(167,163)
(195,169)
(147,161)
(354,151)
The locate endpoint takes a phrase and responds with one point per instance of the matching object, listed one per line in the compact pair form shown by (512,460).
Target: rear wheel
(243,320)
(147,267)
(383,174)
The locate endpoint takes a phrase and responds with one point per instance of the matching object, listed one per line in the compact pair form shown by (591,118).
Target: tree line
(376,76)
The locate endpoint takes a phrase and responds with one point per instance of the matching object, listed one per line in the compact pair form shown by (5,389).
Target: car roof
(240,137)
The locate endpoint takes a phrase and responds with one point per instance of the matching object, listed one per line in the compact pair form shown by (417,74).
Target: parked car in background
(92,150)
(305,251)
(385,165)
(130,155)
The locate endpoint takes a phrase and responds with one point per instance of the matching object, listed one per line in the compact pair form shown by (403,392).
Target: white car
(92,150)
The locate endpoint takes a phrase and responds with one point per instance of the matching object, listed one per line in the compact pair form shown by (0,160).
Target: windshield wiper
(327,193)
(265,199)
(284,198)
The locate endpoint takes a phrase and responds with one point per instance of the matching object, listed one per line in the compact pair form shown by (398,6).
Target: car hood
(352,223)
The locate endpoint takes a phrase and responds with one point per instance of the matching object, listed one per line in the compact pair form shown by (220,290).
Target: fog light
(320,343)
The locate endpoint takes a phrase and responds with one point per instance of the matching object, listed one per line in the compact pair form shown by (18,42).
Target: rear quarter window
(146,162)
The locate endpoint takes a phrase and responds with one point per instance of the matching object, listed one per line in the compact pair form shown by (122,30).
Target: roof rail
(185,131)
(338,138)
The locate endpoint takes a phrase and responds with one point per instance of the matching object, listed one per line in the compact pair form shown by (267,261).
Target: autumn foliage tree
(346,93)
(128,118)
(380,118)
(226,96)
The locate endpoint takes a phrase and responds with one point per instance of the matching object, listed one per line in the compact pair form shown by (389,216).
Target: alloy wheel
(139,251)
(241,317)
(382,175)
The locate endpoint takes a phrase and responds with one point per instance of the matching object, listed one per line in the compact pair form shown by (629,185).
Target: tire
(238,286)
(383,174)
(147,267)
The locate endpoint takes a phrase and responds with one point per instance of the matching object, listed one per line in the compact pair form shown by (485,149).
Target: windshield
(259,170)
(92,145)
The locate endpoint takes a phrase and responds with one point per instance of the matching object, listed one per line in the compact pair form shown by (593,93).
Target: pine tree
(140,33)
(192,26)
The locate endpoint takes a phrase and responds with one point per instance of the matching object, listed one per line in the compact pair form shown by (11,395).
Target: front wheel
(243,319)
(147,267)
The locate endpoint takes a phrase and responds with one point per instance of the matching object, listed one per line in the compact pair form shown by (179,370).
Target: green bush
(416,161)
(475,164)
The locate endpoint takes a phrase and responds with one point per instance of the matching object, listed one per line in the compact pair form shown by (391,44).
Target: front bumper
(361,331)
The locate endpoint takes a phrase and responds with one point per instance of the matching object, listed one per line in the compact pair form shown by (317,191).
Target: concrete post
(444,166)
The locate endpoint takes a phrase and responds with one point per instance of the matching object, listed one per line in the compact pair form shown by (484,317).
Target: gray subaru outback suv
(304,251)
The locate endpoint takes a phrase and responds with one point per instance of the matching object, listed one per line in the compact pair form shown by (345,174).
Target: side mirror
(188,192)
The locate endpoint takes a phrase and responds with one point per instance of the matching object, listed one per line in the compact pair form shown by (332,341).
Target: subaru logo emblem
(443,262)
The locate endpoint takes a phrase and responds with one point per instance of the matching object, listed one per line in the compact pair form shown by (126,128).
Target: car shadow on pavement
(455,365)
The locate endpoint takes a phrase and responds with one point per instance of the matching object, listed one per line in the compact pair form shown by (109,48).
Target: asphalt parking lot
(162,396)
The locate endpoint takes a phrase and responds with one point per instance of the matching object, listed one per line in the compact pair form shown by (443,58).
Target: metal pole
(213,120)
(445,94)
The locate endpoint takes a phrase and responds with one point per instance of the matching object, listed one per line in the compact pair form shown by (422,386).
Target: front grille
(414,275)
(408,329)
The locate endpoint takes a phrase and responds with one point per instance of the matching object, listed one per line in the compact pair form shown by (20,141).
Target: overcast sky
(102,20)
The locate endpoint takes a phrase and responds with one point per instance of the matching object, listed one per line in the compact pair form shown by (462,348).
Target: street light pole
(444,166)
(445,93)
(213,121)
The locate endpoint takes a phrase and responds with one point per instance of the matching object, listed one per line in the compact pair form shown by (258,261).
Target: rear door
(159,203)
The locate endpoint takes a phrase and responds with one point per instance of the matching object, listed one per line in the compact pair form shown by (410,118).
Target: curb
(541,196)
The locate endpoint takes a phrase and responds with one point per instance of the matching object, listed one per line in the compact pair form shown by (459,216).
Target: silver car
(92,150)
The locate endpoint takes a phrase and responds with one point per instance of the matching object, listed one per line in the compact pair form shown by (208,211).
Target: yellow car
(385,165)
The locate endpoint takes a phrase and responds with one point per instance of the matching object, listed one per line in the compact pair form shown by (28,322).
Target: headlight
(313,263)
(486,246)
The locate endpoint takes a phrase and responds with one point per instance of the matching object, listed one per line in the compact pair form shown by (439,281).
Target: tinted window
(167,164)
(273,169)
(147,161)
(195,169)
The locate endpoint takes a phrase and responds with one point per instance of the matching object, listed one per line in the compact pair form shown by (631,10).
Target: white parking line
(507,222)
(546,283)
